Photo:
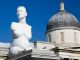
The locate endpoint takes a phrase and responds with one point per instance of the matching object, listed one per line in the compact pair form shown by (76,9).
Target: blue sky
(39,13)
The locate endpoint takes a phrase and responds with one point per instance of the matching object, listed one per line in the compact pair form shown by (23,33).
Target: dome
(63,20)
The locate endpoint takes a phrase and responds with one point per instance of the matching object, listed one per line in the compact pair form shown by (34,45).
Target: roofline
(61,28)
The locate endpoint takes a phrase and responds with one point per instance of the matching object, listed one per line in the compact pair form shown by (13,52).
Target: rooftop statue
(21,33)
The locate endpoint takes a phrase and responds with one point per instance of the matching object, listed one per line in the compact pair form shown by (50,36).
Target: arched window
(49,37)
(62,37)
(75,37)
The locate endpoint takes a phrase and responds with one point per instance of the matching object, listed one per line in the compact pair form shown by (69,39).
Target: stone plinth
(22,56)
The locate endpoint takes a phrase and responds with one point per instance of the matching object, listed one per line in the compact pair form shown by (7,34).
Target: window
(62,37)
(75,37)
(49,37)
